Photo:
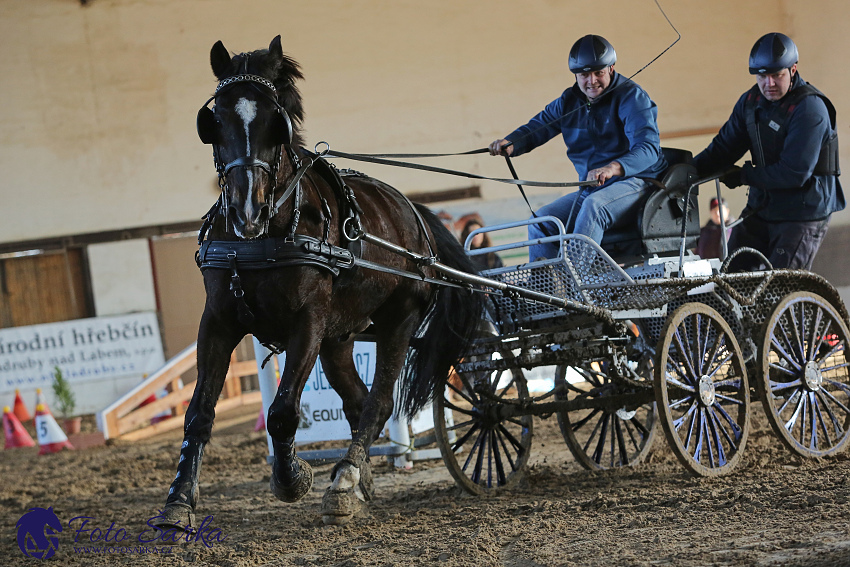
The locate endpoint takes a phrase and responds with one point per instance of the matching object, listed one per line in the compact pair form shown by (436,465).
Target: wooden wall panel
(43,288)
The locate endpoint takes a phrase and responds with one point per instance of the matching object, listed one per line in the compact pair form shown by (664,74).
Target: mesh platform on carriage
(586,274)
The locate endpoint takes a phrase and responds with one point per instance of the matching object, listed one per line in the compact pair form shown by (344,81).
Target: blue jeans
(590,214)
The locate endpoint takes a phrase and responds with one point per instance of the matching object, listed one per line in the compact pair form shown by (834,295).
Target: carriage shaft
(508,289)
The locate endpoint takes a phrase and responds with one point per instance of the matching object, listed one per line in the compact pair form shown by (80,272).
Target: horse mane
(283,72)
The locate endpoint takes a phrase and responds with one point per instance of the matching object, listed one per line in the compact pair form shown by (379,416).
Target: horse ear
(219,59)
(275,50)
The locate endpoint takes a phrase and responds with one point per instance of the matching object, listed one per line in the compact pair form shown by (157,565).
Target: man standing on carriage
(609,125)
(789,128)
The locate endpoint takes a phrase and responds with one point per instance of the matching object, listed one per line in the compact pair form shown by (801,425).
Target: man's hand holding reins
(603,174)
(501,147)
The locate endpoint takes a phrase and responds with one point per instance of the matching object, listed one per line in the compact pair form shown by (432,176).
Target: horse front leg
(352,476)
(292,477)
(215,345)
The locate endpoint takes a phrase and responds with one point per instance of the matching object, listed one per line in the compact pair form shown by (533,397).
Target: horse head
(256,116)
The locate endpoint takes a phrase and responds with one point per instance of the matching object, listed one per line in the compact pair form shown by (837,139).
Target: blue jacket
(785,189)
(620,125)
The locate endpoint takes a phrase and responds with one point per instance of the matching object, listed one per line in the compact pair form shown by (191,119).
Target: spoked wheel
(606,438)
(483,451)
(701,390)
(805,382)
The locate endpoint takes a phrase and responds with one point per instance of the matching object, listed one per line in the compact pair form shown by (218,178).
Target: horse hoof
(295,491)
(340,506)
(175,515)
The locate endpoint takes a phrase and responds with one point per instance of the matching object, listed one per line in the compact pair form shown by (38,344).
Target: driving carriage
(305,257)
(661,338)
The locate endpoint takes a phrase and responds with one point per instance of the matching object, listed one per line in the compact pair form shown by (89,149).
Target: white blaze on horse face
(247,111)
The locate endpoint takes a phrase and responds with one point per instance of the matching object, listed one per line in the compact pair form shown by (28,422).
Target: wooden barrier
(127,419)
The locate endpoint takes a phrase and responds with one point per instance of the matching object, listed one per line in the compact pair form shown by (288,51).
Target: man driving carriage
(609,125)
(788,126)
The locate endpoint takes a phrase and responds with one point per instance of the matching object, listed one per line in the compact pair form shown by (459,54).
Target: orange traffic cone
(21,411)
(16,435)
(261,421)
(51,438)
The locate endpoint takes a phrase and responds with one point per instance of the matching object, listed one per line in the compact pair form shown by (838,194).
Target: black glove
(732,178)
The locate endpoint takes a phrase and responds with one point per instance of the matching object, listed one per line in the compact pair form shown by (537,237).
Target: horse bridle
(206,131)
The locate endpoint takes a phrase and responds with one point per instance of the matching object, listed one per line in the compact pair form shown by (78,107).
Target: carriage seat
(658,227)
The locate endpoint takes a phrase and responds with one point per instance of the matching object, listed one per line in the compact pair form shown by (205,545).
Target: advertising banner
(85,350)
(322,418)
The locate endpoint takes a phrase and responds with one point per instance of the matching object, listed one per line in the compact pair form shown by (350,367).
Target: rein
(381,160)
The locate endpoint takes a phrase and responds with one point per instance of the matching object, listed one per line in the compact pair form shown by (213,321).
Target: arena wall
(99,100)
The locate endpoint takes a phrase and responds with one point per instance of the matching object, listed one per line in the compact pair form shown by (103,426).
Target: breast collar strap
(266,253)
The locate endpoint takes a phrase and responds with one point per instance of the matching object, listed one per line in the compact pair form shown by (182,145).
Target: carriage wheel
(701,390)
(483,451)
(805,383)
(606,438)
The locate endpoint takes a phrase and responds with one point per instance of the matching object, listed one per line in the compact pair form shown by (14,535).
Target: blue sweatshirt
(785,189)
(620,125)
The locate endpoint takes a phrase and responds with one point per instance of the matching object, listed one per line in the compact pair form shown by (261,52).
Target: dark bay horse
(277,263)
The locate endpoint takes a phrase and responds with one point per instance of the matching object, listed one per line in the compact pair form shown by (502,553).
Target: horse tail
(446,331)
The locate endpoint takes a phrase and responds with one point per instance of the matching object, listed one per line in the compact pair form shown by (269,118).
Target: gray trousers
(790,244)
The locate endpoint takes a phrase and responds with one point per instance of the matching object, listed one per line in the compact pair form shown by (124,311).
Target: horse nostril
(233,215)
(263,215)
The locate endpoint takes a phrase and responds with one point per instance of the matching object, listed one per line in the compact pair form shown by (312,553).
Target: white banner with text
(85,350)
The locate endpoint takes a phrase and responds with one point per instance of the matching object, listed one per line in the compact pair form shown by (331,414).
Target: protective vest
(771,133)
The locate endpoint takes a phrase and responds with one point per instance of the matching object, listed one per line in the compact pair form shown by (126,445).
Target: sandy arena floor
(775,509)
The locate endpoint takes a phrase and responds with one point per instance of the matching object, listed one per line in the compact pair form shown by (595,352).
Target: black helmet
(591,53)
(772,53)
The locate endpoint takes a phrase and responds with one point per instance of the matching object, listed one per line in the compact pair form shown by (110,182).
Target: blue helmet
(591,53)
(772,53)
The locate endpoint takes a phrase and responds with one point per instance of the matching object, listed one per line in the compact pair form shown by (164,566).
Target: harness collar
(275,252)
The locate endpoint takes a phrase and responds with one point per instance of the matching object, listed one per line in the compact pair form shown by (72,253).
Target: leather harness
(299,249)
(293,249)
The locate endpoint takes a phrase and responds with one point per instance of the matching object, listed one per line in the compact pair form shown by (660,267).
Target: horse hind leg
(338,364)
(352,475)
(351,488)
(352,485)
